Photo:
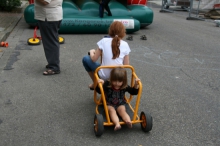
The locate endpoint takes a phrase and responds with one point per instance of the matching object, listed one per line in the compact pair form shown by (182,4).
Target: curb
(7,32)
(4,34)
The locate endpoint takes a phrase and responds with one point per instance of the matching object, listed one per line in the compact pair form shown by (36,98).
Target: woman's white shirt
(105,45)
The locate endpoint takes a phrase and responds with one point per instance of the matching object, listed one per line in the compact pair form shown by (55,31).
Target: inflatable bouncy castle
(82,16)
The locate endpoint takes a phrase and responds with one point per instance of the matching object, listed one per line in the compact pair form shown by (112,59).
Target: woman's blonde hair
(117,31)
(118,74)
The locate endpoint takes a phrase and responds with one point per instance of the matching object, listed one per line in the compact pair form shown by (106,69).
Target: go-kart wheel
(147,122)
(61,40)
(98,125)
(33,41)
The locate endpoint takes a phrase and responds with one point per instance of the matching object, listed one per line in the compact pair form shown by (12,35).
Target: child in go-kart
(115,89)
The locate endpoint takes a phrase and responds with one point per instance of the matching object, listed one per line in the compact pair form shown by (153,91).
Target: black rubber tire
(147,123)
(33,41)
(61,40)
(98,125)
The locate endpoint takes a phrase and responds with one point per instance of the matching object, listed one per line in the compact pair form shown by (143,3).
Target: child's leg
(114,117)
(126,118)
(101,10)
(108,10)
(105,4)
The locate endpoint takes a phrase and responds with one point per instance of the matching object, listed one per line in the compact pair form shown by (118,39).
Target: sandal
(143,37)
(90,87)
(130,38)
(51,72)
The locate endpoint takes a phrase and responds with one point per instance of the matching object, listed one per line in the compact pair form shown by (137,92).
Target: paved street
(178,64)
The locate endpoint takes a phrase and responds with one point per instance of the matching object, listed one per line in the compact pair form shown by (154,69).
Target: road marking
(174,59)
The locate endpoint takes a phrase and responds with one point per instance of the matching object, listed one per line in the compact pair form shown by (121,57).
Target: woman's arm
(126,60)
(94,54)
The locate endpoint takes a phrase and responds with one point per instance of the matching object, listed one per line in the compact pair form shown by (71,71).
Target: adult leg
(126,118)
(114,117)
(50,39)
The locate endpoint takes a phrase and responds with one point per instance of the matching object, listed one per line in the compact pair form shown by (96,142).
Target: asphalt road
(178,64)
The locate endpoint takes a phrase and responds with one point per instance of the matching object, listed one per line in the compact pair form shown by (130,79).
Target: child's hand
(136,85)
(100,81)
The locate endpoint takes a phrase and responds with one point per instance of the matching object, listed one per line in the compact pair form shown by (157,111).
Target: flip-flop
(50,72)
(91,88)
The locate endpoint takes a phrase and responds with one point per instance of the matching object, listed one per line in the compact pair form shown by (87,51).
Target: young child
(115,89)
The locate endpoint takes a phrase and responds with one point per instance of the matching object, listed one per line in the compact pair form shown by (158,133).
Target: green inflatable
(82,16)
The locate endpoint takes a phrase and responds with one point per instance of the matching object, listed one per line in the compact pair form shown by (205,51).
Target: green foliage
(8,5)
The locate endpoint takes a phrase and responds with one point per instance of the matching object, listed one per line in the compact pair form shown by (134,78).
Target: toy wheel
(33,41)
(61,40)
(147,123)
(98,125)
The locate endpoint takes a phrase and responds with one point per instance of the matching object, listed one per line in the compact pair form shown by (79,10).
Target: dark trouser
(102,6)
(50,39)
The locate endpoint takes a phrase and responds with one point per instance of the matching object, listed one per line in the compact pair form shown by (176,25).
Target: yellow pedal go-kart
(36,40)
(102,117)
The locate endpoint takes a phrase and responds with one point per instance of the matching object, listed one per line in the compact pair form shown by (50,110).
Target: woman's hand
(92,52)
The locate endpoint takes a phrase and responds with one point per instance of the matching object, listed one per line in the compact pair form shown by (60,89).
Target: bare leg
(126,118)
(114,117)
(91,74)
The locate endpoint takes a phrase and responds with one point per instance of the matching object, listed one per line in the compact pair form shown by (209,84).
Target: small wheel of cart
(147,121)
(61,40)
(33,41)
(98,125)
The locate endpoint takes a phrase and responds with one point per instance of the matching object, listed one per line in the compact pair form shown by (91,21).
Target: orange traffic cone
(4,44)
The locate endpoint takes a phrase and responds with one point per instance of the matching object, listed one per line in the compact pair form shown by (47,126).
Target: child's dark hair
(117,31)
(119,74)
